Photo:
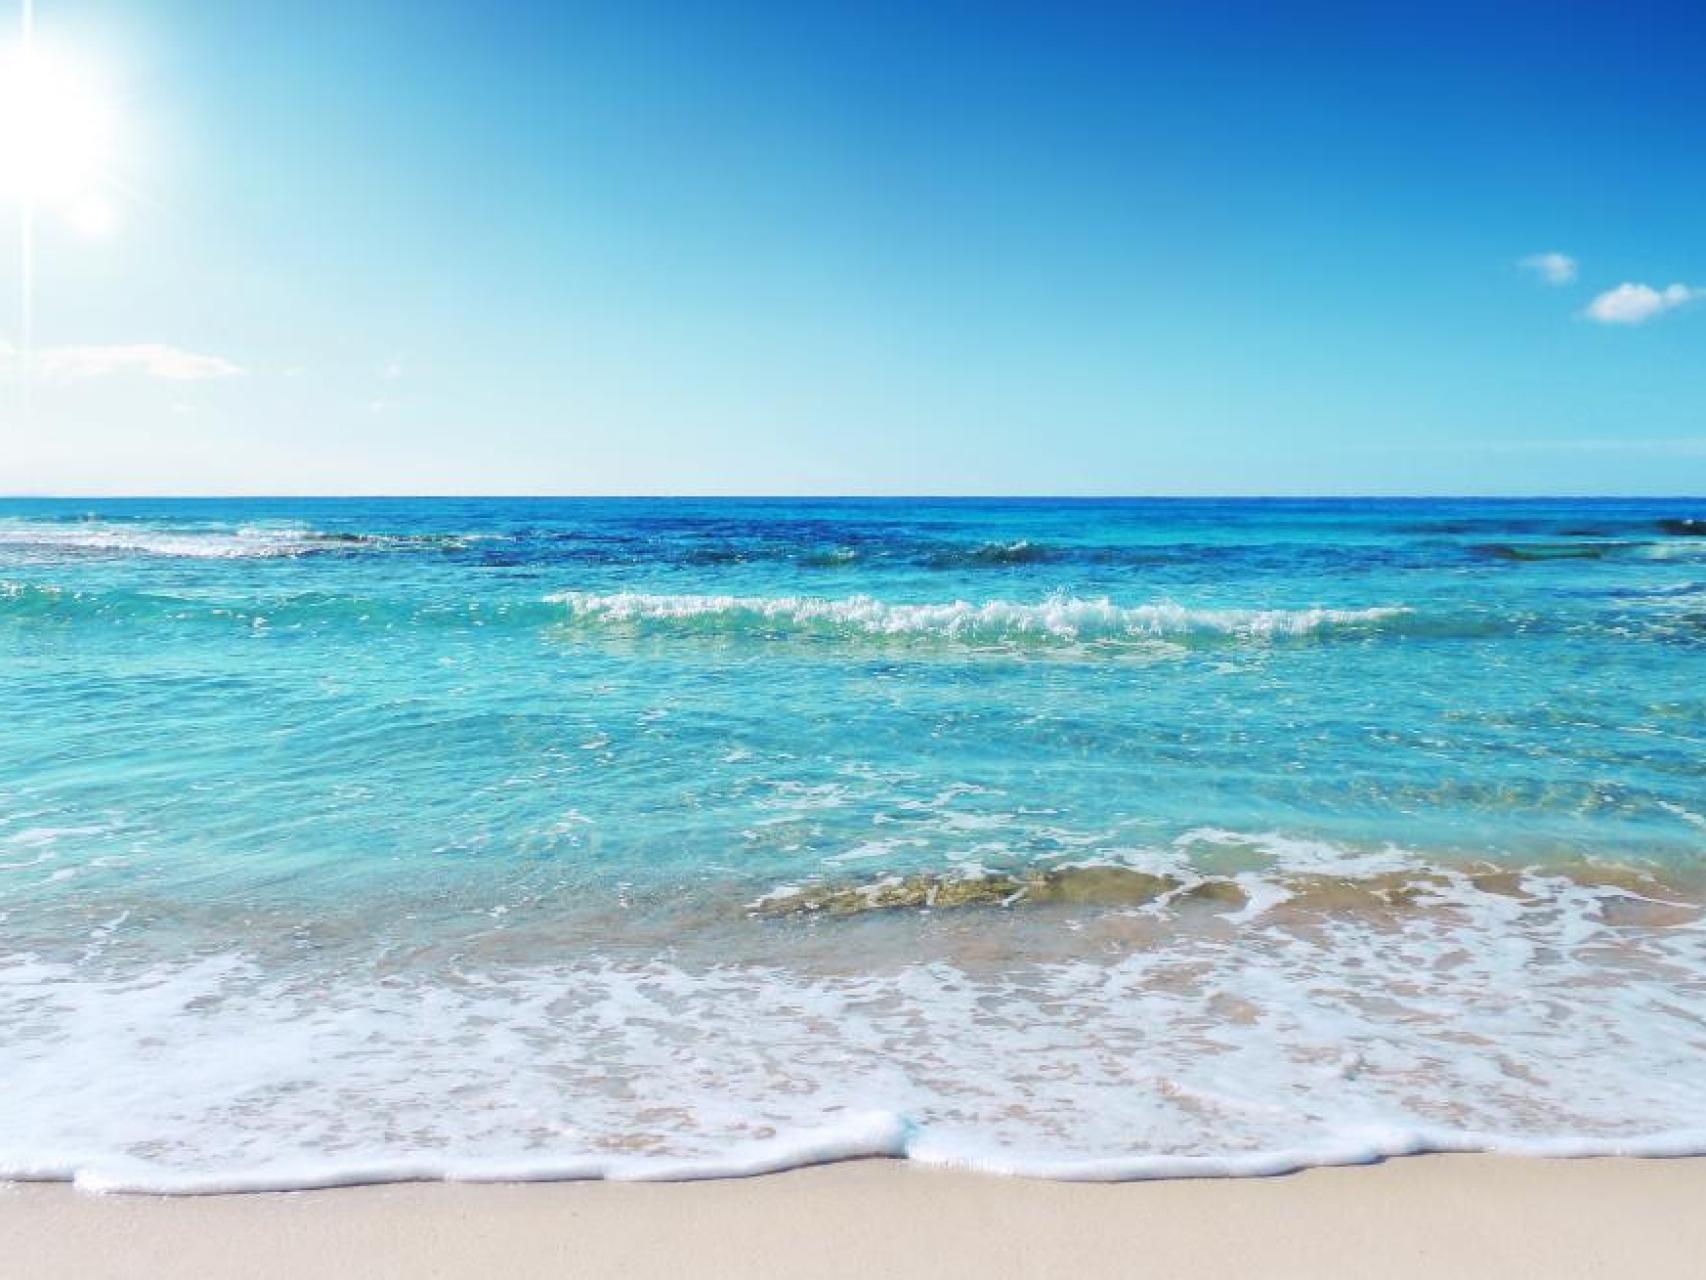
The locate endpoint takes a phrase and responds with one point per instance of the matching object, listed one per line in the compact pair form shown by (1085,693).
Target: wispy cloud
(141,359)
(1553,268)
(1638,303)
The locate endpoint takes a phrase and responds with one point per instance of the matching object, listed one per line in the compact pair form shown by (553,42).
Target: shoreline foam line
(877,1135)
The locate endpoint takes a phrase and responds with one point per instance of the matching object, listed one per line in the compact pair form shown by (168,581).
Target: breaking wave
(1556,550)
(1021,551)
(1343,1005)
(1059,619)
(245,542)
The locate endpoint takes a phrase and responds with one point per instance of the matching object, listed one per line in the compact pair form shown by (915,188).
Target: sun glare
(57,130)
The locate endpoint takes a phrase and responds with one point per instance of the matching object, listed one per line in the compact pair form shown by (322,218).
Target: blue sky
(868,248)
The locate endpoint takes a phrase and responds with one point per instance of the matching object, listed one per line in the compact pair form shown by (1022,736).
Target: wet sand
(1457,1216)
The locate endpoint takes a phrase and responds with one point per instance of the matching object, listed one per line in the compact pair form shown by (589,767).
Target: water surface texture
(344,840)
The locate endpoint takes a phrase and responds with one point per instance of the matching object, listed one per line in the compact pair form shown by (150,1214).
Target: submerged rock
(1076,886)
(1297,896)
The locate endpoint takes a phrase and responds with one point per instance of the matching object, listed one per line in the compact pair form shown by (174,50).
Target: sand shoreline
(1465,1215)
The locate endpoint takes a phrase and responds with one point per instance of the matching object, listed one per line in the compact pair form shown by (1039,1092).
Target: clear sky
(870,248)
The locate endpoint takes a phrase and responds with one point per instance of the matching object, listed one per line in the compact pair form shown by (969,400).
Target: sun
(58,130)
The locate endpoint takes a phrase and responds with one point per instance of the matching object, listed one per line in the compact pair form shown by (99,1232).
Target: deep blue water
(536,835)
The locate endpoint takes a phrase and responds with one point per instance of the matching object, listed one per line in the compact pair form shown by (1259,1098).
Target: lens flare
(57,128)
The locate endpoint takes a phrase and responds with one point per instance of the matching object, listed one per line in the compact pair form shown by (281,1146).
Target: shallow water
(354,839)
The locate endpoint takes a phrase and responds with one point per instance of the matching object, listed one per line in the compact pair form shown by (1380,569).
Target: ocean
(355,840)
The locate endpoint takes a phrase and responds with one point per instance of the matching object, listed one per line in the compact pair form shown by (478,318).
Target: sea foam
(248,542)
(1059,617)
(92,537)
(1531,1014)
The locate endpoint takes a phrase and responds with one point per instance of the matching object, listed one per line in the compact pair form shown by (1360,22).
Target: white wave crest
(1060,618)
(249,541)
(209,542)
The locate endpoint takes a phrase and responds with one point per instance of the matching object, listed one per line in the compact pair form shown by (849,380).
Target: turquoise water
(356,839)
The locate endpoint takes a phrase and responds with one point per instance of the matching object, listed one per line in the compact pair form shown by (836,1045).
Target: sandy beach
(1462,1216)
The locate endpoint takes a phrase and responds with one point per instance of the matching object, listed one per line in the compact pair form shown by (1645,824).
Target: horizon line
(640,496)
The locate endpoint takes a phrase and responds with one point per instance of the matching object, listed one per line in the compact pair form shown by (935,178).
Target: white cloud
(145,359)
(1553,268)
(1636,303)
